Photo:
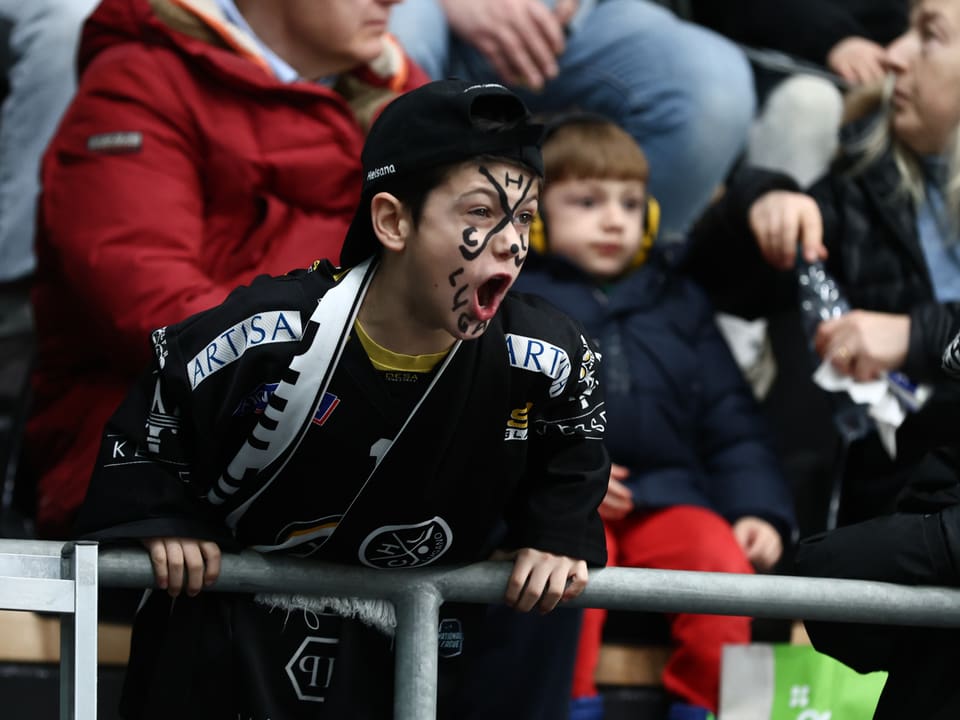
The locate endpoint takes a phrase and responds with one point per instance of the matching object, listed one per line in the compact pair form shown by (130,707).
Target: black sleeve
(805,28)
(722,255)
(932,326)
(903,548)
(569,468)
(140,485)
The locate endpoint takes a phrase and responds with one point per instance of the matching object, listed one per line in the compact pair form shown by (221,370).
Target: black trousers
(904,548)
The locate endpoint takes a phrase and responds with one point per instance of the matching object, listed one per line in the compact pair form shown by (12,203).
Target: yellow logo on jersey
(519,417)
(518,423)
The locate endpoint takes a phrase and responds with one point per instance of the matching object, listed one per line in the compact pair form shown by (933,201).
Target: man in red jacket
(210,141)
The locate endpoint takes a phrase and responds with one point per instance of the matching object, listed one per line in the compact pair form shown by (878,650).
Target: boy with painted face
(401,411)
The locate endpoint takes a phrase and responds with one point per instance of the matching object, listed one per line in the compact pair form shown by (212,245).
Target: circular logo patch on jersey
(406,546)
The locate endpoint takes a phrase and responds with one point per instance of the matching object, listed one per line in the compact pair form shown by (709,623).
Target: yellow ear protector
(651,211)
(651,225)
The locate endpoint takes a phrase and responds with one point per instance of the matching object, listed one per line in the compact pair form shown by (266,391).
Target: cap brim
(360,242)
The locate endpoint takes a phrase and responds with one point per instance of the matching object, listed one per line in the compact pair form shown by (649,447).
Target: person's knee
(718,84)
(701,75)
(802,108)
(797,130)
(709,543)
(803,98)
(684,92)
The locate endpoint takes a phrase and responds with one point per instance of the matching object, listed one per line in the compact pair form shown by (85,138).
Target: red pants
(677,538)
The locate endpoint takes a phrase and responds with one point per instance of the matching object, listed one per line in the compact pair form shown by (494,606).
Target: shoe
(587,708)
(685,711)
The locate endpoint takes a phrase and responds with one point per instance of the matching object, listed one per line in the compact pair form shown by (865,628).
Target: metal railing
(417,596)
(61,578)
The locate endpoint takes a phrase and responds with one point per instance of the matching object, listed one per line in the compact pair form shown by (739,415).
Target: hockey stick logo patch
(406,546)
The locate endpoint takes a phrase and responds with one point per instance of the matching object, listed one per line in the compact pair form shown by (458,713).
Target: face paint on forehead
(508,181)
(471,248)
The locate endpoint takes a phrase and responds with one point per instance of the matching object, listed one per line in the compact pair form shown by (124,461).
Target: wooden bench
(641,665)
(27,637)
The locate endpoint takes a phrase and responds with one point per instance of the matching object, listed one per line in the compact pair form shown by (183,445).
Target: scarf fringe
(375,613)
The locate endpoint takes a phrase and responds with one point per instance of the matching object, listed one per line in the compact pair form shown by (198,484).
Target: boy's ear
(391,222)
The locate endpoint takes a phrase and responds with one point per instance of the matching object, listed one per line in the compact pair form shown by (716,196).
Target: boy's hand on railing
(171,556)
(541,579)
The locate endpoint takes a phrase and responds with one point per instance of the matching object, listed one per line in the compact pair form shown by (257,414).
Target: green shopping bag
(793,682)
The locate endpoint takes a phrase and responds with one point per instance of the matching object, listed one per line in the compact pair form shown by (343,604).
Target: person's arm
(143,484)
(805,28)
(553,520)
(723,256)
(865,343)
(932,326)
(164,448)
(140,489)
(124,213)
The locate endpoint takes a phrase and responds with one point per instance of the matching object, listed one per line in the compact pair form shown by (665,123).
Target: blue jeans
(685,93)
(39,46)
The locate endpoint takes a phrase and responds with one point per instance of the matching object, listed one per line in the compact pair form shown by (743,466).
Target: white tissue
(883,405)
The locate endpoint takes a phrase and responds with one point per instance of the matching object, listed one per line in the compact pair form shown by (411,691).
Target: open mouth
(489,295)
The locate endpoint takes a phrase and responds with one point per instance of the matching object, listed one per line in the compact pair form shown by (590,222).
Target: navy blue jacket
(679,413)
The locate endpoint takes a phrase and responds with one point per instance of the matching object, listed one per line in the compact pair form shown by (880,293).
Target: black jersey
(264,425)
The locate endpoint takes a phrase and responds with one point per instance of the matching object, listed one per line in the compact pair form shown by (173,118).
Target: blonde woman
(887,228)
(884,221)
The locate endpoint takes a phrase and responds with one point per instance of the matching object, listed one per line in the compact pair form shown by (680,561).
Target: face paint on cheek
(469,243)
(464,319)
(463,323)
(458,300)
(471,248)
(520,257)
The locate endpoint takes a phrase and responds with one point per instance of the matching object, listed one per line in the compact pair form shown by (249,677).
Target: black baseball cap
(441,123)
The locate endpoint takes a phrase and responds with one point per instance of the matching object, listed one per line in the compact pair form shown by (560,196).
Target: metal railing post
(416,659)
(78,634)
